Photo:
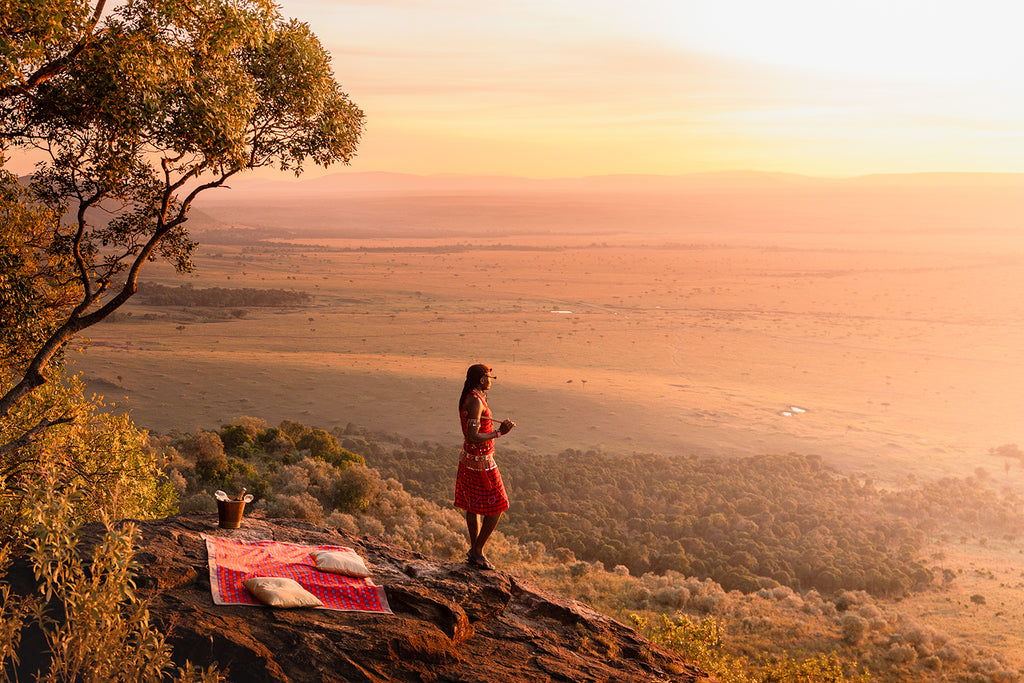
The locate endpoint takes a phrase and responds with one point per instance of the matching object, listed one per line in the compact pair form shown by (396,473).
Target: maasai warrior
(478,488)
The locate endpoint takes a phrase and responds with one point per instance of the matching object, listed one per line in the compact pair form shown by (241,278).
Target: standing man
(478,488)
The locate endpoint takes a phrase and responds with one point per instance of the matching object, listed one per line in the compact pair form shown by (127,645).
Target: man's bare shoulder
(473,405)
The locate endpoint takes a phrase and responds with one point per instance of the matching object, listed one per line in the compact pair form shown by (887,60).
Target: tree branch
(27,438)
(57,66)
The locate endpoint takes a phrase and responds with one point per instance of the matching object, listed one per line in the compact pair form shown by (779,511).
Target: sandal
(478,561)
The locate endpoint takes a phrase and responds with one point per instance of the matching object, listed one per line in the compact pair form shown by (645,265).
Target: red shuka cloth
(480,491)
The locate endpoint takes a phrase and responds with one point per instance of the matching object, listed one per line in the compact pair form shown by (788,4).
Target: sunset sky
(547,88)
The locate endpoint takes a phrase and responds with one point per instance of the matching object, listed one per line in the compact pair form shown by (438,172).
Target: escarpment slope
(451,623)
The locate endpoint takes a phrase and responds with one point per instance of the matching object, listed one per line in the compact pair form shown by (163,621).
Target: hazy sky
(570,87)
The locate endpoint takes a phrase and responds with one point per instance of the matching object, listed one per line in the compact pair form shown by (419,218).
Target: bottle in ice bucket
(229,510)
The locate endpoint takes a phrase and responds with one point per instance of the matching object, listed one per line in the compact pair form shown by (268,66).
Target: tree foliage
(91,448)
(40,38)
(154,294)
(32,295)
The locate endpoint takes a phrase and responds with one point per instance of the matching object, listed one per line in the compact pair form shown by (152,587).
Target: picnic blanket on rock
(232,562)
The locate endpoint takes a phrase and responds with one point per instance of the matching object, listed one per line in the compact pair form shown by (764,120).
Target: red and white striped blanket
(232,562)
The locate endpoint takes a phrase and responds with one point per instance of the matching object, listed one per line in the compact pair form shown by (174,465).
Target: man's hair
(473,376)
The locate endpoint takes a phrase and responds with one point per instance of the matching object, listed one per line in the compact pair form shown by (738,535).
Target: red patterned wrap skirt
(480,491)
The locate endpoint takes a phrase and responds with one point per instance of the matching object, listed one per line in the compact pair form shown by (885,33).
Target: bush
(294,430)
(318,442)
(355,487)
(342,521)
(104,456)
(94,625)
(901,653)
(820,669)
(300,506)
(237,440)
(854,629)
(701,642)
(199,502)
(275,441)
(206,450)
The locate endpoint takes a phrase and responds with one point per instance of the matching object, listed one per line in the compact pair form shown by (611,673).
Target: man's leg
(490,521)
(472,524)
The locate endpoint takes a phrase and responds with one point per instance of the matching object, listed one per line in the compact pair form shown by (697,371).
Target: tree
(138,115)
(138,112)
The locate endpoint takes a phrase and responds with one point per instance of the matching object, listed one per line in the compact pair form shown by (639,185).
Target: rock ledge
(451,623)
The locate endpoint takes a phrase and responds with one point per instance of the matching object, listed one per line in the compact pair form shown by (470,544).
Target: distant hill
(358,205)
(197,219)
(352,182)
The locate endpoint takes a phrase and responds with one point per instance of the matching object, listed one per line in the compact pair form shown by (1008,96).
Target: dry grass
(992,569)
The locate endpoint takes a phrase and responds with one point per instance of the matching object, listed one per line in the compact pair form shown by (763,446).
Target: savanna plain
(876,323)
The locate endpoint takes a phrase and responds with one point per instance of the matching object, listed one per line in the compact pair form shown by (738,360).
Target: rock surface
(450,623)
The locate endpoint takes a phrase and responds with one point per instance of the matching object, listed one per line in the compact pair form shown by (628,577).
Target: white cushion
(340,562)
(277,591)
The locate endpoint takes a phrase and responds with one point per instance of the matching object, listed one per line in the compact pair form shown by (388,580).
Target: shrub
(343,458)
(672,598)
(237,440)
(564,556)
(706,602)
(355,487)
(300,506)
(275,441)
(342,521)
(579,570)
(854,629)
(94,626)
(206,450)
(294,430)
(536,551)
(103,455)
(847,600)
(199,502)
(922,638)
(820,669)
(901,653)
(370,526)
(701,642)
(318,442)
(253,426)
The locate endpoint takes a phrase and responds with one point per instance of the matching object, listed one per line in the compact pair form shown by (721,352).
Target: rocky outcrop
(450,623)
